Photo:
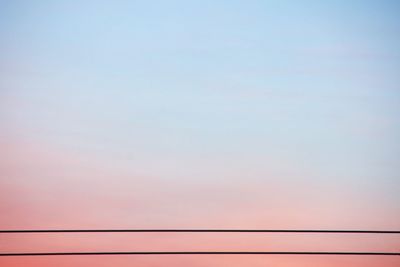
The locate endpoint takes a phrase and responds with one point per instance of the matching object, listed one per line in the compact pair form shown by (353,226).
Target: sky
(199,114)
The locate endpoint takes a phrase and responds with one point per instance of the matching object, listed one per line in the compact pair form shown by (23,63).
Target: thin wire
(199,252)
(197,231)
(202,253)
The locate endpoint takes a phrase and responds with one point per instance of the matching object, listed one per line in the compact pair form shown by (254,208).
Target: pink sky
(74,191)
(199,114)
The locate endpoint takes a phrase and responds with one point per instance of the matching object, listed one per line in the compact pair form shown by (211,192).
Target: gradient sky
(199,114)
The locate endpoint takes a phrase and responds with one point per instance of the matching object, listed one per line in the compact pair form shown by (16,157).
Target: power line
(16,231)
(199,231)
(203,253)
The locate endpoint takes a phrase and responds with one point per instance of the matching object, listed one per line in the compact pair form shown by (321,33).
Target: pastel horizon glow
(199,114)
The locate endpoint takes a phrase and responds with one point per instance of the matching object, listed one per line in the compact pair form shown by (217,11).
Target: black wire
(198,231)
(202,253)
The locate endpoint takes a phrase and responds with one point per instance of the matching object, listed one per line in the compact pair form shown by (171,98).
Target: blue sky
(257,70)
(298,97)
